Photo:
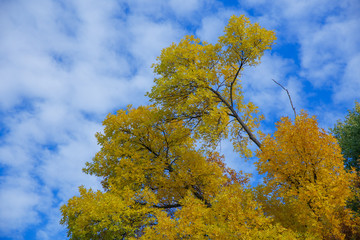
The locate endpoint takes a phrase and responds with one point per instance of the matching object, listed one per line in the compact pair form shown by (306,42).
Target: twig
(288,96)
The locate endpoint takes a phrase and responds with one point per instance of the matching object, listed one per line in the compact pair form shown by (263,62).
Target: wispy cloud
(65,64)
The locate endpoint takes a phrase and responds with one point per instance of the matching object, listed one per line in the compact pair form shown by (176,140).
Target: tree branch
(198,194)
(288,96)
(232,84)
(176,205)
(237,117)
(165,206)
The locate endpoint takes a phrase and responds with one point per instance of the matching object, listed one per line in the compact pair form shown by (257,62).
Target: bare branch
(176,205)
(288,96)
(164,206)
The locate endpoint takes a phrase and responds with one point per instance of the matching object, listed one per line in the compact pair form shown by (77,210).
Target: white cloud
(147,38)
(18,197)
(211,29)
(62,170)
(212,26)
(325,30)
(326,50)
(185,7)
(326,36)
(32,171)
(53,228)
(65,64)
(348,88)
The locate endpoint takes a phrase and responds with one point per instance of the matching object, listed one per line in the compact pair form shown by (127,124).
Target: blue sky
(64,65)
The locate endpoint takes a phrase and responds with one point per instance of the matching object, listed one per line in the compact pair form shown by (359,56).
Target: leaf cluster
(305,178)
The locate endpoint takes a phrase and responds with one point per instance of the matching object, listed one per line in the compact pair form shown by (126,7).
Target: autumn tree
(199,83)
(157,184)
(162,177)
(306,185)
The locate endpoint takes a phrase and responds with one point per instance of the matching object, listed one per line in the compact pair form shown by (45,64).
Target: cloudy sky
(65,64)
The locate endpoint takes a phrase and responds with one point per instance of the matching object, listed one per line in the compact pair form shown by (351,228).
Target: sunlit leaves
(149,166)
(244,42)
(97,215)
(199,83)
(162,178)
(306,185)
(234,215)
(140,149)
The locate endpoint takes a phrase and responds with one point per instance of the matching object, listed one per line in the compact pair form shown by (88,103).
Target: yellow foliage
(149,167)
(234,214)
(306,186)
(198,82)
(97,215)
(162,178)
(140,149)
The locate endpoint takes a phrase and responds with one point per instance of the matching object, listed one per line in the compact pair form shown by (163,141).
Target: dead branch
(288,96)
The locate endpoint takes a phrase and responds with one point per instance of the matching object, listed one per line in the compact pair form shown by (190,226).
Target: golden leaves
(163,179)
(234,214)
(245,42)
(198,82)
(97,215)
(305,177)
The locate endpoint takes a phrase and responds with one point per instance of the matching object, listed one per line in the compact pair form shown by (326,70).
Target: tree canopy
(347,133)
(305,179)
(161,174)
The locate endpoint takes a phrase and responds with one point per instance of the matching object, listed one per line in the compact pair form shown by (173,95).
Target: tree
(156,183)
(162,177)
(348,136)
(199,83)
(306,185)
